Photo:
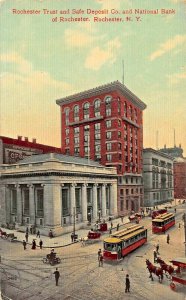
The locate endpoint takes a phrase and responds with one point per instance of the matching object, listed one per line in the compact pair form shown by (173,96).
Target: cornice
(107,88)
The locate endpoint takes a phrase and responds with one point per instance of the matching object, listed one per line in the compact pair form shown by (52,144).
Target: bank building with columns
(52,191)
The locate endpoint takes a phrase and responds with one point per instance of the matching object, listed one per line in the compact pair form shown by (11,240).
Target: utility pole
(184,221)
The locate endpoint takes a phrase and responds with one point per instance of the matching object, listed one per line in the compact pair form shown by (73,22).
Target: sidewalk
(65,239)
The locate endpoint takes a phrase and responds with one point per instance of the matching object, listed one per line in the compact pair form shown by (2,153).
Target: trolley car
(124,241)
(163,222)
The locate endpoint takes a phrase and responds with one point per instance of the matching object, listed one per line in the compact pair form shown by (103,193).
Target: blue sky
(41,61)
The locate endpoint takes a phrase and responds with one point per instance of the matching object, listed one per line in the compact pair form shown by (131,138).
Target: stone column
(113,199)
(32,205)
(72,201)
(95,202)
(8,204)
(84,202)
(103,200)
(19,205)
(3,204)
(52,205)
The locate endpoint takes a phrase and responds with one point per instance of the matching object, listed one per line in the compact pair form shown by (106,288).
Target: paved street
(25,276)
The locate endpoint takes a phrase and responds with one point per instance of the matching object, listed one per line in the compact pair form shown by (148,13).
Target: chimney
(19,137)
(26,139)
(34,141)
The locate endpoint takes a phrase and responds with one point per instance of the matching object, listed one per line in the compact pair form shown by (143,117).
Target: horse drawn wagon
(180,275)
(92,237)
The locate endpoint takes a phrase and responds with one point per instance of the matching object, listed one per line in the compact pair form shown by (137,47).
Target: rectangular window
(76,130)
(119,134)
(86,150)
(65,197)
(39,198)
(121,192)
(76,140)
(121,205)
(97,136)
(108,134)
(97,114)
(67,131)
(108,111)
(109,146)
(127,191)
(76,150)
(26,201)
(108,123)
(78,200)
(108,157)
(67,141)
(97,126)
(97,148)
(14,201)
(86,128)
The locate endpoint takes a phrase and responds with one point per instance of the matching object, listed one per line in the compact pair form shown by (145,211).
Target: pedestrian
(117,228)
(110,231)
(157,248)
(111,225)
(33,245)
(168,238)
(24,244)
(57,275)
(26,236)
(101,260)
(99,253)
(155,256)
(179,225)
(175,210)
(72,237)
(27,230)
(127,284)
(38,234)
(41,244)
(51,234)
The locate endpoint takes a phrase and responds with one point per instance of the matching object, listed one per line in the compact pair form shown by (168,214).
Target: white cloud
(170,44)
(98,57)
(23,66)
(176,78)
(78,38)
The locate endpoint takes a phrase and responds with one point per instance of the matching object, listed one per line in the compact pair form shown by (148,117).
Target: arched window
(108,100)
(125,109)
(86,110)
(97,105)
(67,112)
(76,113)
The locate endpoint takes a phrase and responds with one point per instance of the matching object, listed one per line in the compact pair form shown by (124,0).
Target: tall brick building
(106,124)
(180,178)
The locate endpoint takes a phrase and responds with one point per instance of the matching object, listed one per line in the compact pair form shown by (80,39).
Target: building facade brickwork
(106,124)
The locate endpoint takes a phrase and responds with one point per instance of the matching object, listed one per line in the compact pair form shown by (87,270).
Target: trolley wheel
(44,260)
(173,286)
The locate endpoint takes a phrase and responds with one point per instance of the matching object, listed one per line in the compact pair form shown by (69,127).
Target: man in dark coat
(24,245)
(41,244)
(127,284)
(57,275)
